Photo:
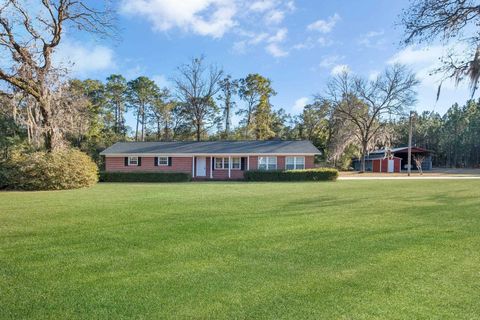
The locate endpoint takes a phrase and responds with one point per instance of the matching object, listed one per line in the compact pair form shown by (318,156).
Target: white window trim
(239,163)
(230,163)
(294,162)
(267,163)
(162,164)
(130,161)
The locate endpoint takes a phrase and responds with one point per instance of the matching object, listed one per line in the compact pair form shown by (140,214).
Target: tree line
(351,118)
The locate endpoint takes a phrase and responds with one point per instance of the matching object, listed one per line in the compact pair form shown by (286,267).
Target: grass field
(348,250)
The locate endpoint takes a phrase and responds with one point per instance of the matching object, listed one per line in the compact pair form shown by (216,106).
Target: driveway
(435,174)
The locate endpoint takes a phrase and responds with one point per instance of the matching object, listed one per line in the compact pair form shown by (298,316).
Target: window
(218,163)
(236,163)
(222,163)
(163,161)
(294,163)
(267,163)
(133,161)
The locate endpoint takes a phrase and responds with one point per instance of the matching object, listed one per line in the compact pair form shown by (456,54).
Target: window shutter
(213,163)
(243,163)
(139,161)
(126,161)
(169,161)
(156,162)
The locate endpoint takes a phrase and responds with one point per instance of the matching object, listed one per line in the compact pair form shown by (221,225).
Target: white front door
(201,167)
(391,165)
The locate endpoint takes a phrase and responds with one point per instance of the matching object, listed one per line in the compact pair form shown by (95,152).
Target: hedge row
(144,177)
(320,174)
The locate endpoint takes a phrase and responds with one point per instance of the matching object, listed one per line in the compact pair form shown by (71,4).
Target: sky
(298,44)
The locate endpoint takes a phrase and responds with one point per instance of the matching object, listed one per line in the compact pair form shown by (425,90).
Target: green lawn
(345,250)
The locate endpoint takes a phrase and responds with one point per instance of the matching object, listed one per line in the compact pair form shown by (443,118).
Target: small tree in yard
(365,104)
(418,162)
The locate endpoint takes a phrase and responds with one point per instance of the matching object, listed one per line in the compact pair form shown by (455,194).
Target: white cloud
(279,36)
(252,22)
(84,59)
(274,41)
(324,42)
(299,104)
(413,56)
(339,69)
(274,17)
(329,61)
(262,5)
(276,51)
(204,17)
(373,39)
(291,5)
(240,47)
(324,26)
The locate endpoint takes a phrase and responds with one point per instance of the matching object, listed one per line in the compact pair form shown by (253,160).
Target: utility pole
(409,169)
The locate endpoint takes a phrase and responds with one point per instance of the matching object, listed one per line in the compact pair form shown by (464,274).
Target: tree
(448,20)
(365,104)
(256,91)
(313,123)
(419,158)
(228,88)
(116,95)
(141,95)
(28,37)
(161,110)
(279,123)
(196,86)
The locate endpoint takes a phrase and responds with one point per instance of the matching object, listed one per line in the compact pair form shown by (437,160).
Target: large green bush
(319,174)
(63,169)
(144,177)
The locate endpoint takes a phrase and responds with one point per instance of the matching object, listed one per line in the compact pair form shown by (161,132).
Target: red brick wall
(309,162)
(184,164)
(179,164)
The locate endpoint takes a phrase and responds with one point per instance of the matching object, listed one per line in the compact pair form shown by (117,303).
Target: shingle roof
(213,147)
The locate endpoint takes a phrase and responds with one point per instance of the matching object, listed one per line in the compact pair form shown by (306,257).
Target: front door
(201,167)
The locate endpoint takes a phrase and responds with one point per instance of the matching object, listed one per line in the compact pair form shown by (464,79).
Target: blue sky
(297,44)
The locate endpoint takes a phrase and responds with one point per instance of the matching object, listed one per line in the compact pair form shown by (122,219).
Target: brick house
(218,160)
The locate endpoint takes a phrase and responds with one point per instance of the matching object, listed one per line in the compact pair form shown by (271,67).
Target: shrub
(63,169)
(144,177)
(320,174)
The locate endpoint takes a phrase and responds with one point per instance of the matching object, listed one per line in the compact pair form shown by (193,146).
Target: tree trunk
(117,127)
(227,122)
(364,154)
(198,129)
(166,131)
(51,139)
(136,129)
(247,126)
(143,122)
